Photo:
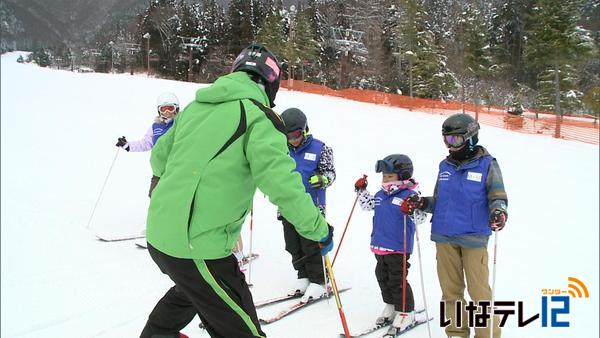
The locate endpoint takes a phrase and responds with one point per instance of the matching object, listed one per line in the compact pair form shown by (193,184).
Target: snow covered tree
(555,44)
(213,28)
(591,101)
(424,71)
(39,56)
(506,38)
(320,31)
(161,20)
(441,16)
(241,25)
(302,46)
(478,61)
(10,27)
(272,34)
(470,52)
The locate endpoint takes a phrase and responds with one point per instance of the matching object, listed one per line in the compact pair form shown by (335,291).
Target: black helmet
(397,163)
(294,119)
(257,60)
(462,125)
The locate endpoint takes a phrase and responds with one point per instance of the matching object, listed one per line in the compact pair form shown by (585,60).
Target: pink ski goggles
(454,141)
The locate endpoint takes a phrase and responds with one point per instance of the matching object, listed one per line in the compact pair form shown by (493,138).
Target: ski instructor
(221,147)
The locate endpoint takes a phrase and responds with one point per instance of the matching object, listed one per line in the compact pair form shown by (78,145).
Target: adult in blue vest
(314,163)
(167,106)
(468,203)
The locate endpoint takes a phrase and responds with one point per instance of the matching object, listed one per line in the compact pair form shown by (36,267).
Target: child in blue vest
(314,163)
(468,203)
(391,247)
(167,106)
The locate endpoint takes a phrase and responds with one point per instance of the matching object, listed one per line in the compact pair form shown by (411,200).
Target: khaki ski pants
(454,263)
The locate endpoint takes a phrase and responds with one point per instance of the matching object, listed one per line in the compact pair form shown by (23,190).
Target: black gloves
(122,142)
(413,202)
(498,219)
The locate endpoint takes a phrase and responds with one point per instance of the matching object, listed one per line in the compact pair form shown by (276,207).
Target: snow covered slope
(57,145)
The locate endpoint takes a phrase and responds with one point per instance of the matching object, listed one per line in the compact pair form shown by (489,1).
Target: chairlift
(347,40)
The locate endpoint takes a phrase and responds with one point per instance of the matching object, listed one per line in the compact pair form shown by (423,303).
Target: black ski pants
(306,257)
(216,290)
(389,273)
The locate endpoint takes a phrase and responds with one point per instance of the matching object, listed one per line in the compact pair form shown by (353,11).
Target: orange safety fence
(577,128)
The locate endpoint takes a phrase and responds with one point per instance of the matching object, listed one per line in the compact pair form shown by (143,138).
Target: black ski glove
(498,219)
(413,202)
(122,142)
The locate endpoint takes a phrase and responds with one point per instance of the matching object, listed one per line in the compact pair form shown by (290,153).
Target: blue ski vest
(388,222)
(307,157)
(461,206)
(159,129)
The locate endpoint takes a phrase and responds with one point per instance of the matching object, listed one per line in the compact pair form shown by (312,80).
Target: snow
(57,144)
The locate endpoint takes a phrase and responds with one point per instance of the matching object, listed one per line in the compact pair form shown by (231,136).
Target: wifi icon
(577,289)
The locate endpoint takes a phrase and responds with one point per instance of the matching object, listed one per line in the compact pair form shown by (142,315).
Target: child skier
(314,162)
(468,203)
(167,105)
(388,242)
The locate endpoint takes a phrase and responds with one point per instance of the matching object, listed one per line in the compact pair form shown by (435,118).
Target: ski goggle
(293,135)
(454,141)
(383,166)
(167,108)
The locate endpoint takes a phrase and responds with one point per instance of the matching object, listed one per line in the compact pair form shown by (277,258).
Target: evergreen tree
(241,25)
(213,28)
(555,44)
(506,38)
(162,22)
(302,48)
(39,56)
(320,30)
(272,34)
(10,27)
(592,101)
(424,68)
(441,18)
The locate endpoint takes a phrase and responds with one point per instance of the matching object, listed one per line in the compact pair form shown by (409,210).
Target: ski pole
(102,190)
(493,283)
(346,228)
(250,254)
(325,280)
(305,257)
(323,260)
(422,282)
(404,270)
(337,296)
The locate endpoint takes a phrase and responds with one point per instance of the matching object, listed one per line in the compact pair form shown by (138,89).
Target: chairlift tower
(192,43)
(348,41)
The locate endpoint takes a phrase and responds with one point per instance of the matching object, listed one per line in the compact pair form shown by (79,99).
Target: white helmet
(167,99)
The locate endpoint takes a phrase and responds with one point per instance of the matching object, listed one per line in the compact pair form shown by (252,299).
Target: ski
(276,300)
(375,327)
(280,299)
(117,238)
(393,333)
(295,307)
(141,243)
